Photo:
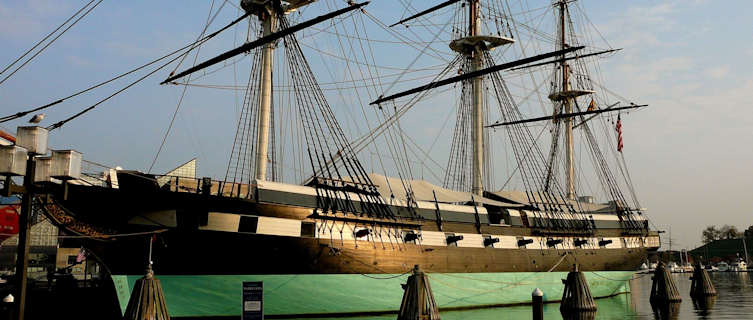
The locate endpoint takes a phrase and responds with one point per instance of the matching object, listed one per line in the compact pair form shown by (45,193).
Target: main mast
(568,108)
(477,136)
(473,46)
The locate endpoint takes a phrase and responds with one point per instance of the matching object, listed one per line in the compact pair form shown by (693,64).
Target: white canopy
(522,198)
(424,191)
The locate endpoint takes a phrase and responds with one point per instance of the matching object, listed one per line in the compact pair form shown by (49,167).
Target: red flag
(592,105)
(619,133)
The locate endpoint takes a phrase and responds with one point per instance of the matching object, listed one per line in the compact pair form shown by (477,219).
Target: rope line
(190,47)
(210,19)
(46,37)
(386,278)
(632,277)
(51,41)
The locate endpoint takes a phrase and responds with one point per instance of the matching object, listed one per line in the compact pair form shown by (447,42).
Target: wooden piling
(577,296)
(418,300)
(701,285)
(147,302)
(663,289)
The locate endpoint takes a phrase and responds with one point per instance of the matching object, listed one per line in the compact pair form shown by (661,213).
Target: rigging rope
(46,37)
(190,47)
(210,19)
(421,53)
(532,168)
(51,41)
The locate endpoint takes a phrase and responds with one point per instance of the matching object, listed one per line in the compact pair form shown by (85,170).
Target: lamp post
(22,159)
(34,140)
(15,161)
(22,251)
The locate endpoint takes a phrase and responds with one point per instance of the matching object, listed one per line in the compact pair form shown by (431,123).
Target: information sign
(253,300)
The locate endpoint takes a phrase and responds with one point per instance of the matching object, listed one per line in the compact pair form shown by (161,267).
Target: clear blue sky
(690,153)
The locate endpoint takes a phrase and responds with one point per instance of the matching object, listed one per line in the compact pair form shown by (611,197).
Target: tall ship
(332,222)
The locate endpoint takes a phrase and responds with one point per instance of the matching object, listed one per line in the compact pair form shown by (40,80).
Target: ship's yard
(458,159)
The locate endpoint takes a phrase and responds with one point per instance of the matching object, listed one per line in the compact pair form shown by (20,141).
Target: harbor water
(735,301)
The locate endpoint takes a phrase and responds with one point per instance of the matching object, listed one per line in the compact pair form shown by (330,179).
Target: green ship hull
(354,294)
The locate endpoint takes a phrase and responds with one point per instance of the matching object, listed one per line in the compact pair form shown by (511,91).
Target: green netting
(220,295)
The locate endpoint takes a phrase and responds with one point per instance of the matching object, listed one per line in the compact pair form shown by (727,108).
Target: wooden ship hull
(218,252)
(271,234)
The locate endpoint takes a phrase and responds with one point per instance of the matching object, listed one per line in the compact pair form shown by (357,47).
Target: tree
(749,233)
(710,234)
(729,232)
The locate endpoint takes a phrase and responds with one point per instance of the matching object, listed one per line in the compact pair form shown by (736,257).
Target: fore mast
(268,12)
(268,17)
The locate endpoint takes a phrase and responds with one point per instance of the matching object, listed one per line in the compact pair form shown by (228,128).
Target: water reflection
(582,315)
(666,311)
(735,301)
(703,306)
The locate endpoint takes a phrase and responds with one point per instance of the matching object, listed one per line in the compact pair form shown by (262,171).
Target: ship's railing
(93,179)
(95,174)
(206,186)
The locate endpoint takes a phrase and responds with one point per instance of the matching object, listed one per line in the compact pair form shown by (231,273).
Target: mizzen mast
(570,169)
(565,96)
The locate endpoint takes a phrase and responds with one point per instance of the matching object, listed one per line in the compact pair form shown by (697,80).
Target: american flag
(619,133)
(81,255)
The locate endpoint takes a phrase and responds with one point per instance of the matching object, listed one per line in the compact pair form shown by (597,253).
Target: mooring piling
(537,304)
(147,302)
(418,300)
(701,285)
(663,289)
(577,296)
